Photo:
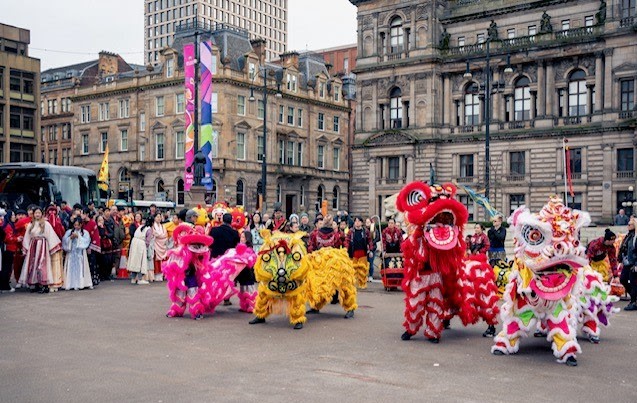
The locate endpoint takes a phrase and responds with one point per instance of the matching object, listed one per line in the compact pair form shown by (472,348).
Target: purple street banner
(189,113)
(205,90)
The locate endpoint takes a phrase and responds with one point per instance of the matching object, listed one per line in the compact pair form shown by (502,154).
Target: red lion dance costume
(439,281)
(195,282)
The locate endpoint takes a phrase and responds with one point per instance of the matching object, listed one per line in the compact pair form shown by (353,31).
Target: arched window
(577,93)
(396,35)
(240,194)
(471,105)
(160,186)
(522,99)
(124,184)
(181,195)
(396,108)
(278,193)
(320,196)
(335,198)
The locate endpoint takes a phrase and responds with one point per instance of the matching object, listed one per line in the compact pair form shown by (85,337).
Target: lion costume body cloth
(289,277)
(439,282)
(195,282)
(550,286)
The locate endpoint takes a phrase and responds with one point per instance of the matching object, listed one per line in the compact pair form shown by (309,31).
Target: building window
(577,93)
(575,155)
(214,102)
(260,147)
(468,203)
(159,106)
(336,125)
(181,194)
(394,168)
(86,114)
(240,193)
(290,116)
(142,152)
(515,201)
(260,109)
(302,196)
(522,96)
(589,21)
(123,140)
(320,196)
(566,25)
(281,151)
(66,131)
(336,163)
(335,198)
(625,160)
(532,30)
(281,113)
(321,89)
(124,108)
(179,103)
(241,105)
(103,111)
(104,142)
(471,105)
(170,67)
(346,65)
(84,144)
(466,166)
(461,41)
(299,117)
(575,201)
(516,163)
(627,8)
(252,71)
(241,146)
(299,154)
(291,82)
(142,122)
(396,35)
(66,156)
(289,153)
(627,95)
(337,93)
(321,157)
(511,33)
(396,108)
(159,146)
(321,121)
(180,144)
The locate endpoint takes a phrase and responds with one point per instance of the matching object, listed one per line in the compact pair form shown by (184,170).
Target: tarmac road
(115,344)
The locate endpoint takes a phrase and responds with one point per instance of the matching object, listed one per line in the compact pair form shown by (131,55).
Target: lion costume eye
(532,236)
(266,258)
(296,256)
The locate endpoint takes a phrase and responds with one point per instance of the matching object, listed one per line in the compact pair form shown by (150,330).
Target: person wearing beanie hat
(602,255)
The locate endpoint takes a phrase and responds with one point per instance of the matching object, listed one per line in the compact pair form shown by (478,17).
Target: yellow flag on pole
(102,177)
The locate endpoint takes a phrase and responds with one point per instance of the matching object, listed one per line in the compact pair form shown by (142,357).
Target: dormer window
(321,89)
(252,70)
(170,68)
(337,93)
(291,82)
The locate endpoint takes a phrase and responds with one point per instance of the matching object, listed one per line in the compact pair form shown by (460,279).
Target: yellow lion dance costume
(289,278)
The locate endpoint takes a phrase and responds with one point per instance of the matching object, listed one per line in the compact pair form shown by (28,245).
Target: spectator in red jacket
(479,241)
(599,250)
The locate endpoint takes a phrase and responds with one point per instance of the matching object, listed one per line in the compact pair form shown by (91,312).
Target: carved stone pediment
(243,125)
(625,67)
(390,138)
(158,126)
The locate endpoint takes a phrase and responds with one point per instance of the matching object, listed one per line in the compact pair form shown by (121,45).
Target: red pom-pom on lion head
(193,238)
(435,208)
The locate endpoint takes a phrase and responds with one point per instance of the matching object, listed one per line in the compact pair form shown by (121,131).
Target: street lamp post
(264,160)
(630,202)
(487,110)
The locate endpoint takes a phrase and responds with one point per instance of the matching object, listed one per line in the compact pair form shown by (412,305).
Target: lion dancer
(438,282)
(185,271)
(359,244)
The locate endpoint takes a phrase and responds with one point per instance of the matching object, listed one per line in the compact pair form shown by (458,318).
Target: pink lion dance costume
(439,281)
(195,282)
(551,286)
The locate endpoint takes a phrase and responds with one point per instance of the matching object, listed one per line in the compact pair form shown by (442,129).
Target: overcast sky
(74,31)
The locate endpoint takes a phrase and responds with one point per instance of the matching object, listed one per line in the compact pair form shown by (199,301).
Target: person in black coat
(224,237)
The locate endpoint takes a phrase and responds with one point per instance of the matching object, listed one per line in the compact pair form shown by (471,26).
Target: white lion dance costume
(551,286)
(196,283)
(439,281)
(289,278)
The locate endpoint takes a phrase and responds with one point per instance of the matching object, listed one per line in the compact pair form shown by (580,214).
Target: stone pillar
(608,79)
(374,125)
(410,169)
(599,81)
(385,170)
(541,89)
(412,103)
(550,89)
(607,184)
(496,100)
(448,104)
(533,104)
(372,186)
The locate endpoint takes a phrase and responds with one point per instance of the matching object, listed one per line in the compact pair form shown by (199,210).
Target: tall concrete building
(266,19)
(556,70)
(19,96)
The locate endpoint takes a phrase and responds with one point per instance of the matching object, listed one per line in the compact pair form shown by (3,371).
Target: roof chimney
(258,45)
(290,59)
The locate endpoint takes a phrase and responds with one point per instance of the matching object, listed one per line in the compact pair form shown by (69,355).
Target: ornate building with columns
(557,70)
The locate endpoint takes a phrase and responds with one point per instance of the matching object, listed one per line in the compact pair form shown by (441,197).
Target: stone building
(19,96)
(558,70)
(139,115)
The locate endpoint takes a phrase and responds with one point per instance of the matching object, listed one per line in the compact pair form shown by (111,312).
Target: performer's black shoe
(498,352)
(446,324)
(227,302)
(571,362)
(199,317)
(313,311)
(334,298)
(594,339)
(297,326)
(490,332)
(434,340)
(256,321)
(539,333)
(405,336)
(349,314)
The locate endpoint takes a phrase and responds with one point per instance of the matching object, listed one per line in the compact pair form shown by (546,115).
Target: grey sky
(84,27)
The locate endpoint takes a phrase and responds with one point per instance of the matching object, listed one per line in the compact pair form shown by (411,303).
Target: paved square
(115,344)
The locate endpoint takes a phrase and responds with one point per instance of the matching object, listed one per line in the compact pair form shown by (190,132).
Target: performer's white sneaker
(143,282)
(370,279)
